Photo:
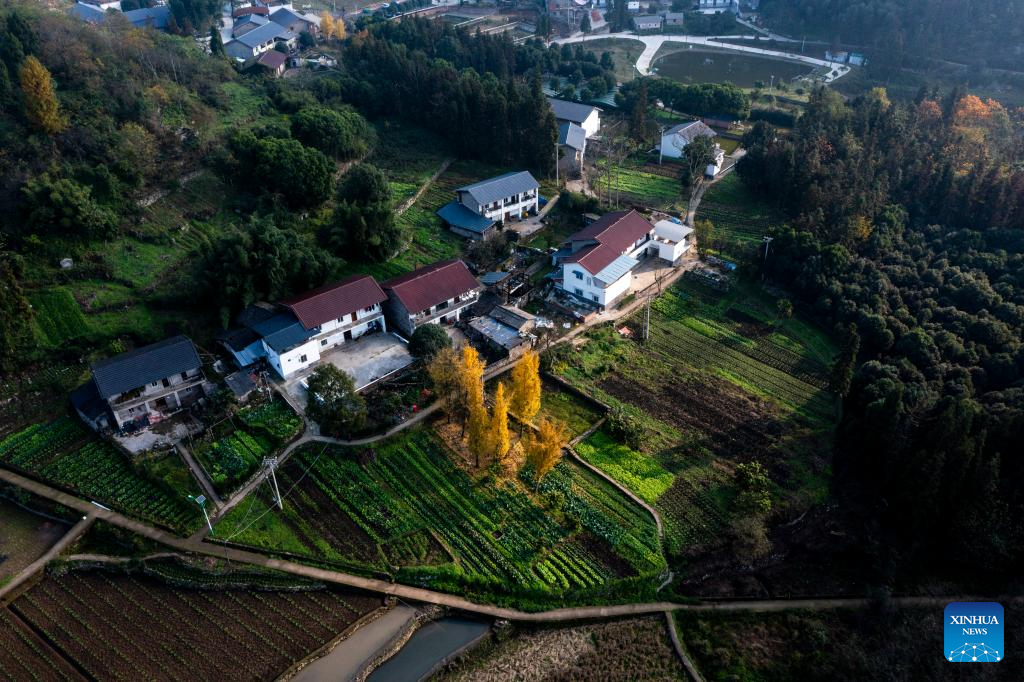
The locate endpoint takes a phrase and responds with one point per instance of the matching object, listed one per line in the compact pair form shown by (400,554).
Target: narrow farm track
(448,600)
(404,206)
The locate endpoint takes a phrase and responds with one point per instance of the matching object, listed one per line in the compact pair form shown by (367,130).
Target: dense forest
(906,235)
(976,33)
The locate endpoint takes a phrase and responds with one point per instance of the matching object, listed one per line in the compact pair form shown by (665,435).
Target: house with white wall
(583,115)
(141,387)
(296,333)
(676,139)
(673,240)
(479,209)
(435,294)
(598,261)
(260,39)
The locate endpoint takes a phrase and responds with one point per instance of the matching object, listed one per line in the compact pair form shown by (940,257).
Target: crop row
(689,505)
(123,628)
(38,444)
(274,418)
(677,343)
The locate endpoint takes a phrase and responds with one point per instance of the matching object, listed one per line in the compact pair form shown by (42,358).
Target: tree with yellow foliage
(499,423)
(327,26)
(479,432)
(471,383)
(339,29)
(526,387)
(41,107)
(544,447)
(444,372)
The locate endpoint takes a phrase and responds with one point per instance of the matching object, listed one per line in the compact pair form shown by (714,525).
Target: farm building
(296,22)
(506,330)
(479,208)
(675,139)
(650,22)
(146,17)
(675,19)
(141,387)
(294,334)
(435,294)
(583,115)
(572,144)
(259,40)
(273,62)
(598,261)
(672,239)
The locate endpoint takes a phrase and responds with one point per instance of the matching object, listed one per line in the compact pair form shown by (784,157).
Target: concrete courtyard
(367,359)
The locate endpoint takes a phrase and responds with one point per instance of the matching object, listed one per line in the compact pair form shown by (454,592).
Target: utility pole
(647,320)
(767,244)
(201,501)
(271,464)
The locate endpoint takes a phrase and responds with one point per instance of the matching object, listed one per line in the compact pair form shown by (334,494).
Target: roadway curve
(428,596)
(653,43)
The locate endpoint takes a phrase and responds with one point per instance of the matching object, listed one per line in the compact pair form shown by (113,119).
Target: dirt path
(156,196)
(404,206)
(416,594)
(688,664)
(199,474)
(13,588)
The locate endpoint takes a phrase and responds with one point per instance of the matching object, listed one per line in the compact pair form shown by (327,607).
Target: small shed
(273,61)
(673,239)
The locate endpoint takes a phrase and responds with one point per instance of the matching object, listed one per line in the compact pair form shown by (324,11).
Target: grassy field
(643,182)
(633,649)
(624,51)
(740,218)
(408,156)
(720,381)
(577,414)
(62,453)
(410,511)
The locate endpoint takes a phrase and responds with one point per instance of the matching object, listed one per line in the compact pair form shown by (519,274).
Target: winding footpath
(417,594)
(653,43)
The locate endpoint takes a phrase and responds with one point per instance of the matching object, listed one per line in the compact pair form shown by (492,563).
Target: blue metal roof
(89,13)
(616,269)
(500,187)
(149,16)
(264,34)
(457,215)
(283,331)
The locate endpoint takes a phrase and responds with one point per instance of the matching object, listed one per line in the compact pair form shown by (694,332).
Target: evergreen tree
(41,107)
(216,43)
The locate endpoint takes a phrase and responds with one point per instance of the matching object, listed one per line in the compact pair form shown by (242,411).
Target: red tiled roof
(433,284)
(334,301)
(614,234)
(272,59)
(245,11)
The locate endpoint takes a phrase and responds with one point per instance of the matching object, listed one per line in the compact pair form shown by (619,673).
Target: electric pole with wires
(271,463)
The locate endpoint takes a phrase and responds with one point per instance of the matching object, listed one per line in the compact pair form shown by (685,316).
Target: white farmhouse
(295,334)
(598,261)
(479,208)
(255,42)
(672,239)
(583,115)
(678,137)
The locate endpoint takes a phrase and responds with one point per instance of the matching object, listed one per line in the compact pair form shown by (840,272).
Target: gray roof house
(480,207)
(572,142)
(143,386)
(294,21)
(649,22)
(678,137)
(146,17)
(258,41)
(88,13)
(583,115)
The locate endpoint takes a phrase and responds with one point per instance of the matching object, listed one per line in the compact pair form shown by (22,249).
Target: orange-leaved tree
(525,401)
(327,24)
(471,383)
(544,448)
(41,106)
(445,374)
(499,423)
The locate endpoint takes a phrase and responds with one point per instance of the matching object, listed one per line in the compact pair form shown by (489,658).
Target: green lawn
(624,51)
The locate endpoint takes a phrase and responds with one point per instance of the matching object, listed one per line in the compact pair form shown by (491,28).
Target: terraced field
(720,381)
(63,453)
(453,533)
(641,183)
(740,218)
(115,626)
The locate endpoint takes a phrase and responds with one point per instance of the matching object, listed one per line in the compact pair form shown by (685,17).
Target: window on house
(302,358)
(579,292)
(590,281)
(579,275)
(353,317)
(155,383)
(184,375)
(593,296)
(323,342)
(166,382)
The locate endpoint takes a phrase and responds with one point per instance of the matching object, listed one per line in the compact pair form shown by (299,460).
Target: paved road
(199,474)
(417,594)
(653,43)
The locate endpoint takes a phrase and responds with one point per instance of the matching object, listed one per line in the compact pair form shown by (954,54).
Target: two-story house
(435,294)
(480,208)
(141,387)
(296,22)
(255,42)
(598,261)
(583,115)
(297,332)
